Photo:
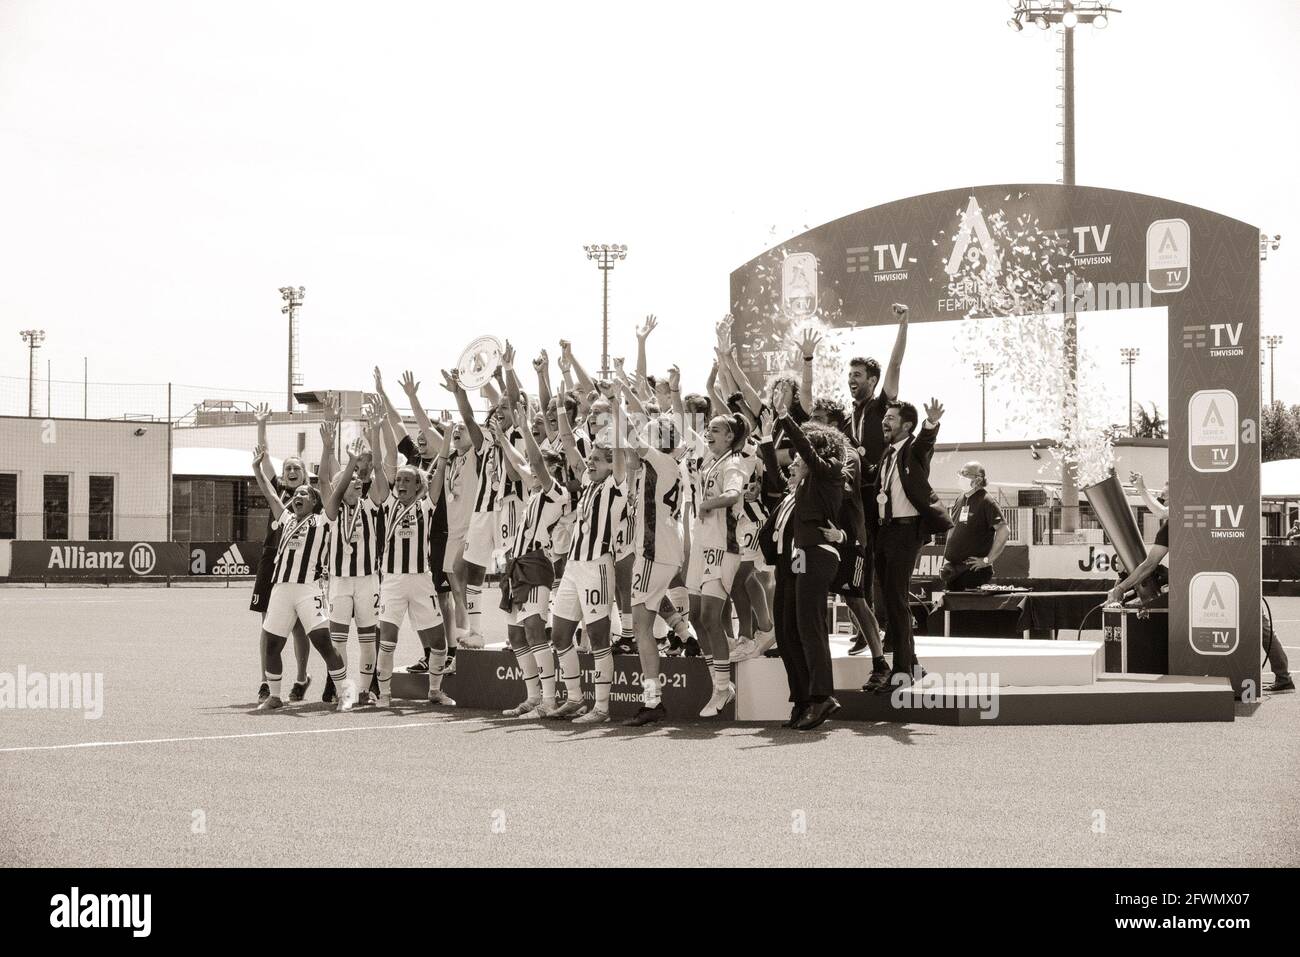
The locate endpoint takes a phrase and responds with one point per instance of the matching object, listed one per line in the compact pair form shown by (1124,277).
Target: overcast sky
(431,171)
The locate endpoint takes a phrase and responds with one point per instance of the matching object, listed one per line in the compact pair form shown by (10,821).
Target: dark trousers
(896,546)
(962,577)
(803,582)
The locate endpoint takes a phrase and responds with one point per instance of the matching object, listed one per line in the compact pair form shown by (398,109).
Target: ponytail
(739,431)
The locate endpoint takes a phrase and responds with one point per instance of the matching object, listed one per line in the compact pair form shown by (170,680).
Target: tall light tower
(605,255)
(1128,357)
(292,303)
(1067,15)
(1272,342)
(983,370)
(33,338)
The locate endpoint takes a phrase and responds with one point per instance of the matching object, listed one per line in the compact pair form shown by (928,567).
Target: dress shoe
(796,715)
(817,714)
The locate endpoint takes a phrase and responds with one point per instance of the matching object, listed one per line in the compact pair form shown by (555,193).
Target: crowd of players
(712,523)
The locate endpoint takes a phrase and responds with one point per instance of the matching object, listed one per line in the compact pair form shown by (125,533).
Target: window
(56,508)
(8,505)
(101,508)
(181,501)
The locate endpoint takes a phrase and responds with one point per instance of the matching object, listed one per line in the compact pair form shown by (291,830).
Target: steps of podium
(970,681)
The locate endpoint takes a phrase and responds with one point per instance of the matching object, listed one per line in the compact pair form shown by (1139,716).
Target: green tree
(1148,426)
(1280,430)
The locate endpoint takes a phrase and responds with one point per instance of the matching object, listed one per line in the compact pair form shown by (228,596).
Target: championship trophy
(1110,505)
(799,287)
(479,361)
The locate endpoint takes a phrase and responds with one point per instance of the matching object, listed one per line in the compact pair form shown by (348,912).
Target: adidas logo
(231,563)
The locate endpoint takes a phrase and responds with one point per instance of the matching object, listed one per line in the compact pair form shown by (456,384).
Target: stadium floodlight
(1067,14)
(33,338)
(605,255)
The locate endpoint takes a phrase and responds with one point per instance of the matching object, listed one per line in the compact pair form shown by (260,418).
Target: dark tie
(886,514)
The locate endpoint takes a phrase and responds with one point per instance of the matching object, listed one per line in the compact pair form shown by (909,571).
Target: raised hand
(379,380)
(261,413)
(541,363)
(357,448)
(508,357)
(409,385)
(766,422)
(259,455)
(643,331)
(724,333)
(565,361)
(900,310)
(781,401)
(451,380)
(934,410)
(1135,478)
(326,435)
(618,366)
(674,378)
(808,342)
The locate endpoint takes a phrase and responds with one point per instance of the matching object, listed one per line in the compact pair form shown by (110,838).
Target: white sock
(544,655)
(528,668)
(473,593)
(369,638)
(339,639)
(604,677)
(437,661)
(649,690)
(721,675)
(571,673)
(386,650)
(273,682)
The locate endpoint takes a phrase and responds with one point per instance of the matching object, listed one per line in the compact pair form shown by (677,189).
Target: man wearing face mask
(978,535)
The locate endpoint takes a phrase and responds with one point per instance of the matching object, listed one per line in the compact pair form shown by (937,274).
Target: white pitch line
(213,737)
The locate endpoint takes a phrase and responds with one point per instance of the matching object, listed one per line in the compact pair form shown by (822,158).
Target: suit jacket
(852,510)
(914,473)
(817,501)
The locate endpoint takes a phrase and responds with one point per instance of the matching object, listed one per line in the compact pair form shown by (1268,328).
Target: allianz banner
(97,561)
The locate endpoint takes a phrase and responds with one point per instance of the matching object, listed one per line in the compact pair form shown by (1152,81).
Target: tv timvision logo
(1222,521)
(1213,606)
(885,261)
(1226,336)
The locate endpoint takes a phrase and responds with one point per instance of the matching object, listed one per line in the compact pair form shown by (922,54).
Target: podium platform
(970,681)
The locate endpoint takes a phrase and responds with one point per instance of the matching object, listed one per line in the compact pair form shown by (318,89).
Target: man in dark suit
(905,519)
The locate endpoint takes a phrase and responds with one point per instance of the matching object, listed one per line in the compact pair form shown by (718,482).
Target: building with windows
(84,479)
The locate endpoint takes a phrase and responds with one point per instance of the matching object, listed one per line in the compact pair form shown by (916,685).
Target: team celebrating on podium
(632,518)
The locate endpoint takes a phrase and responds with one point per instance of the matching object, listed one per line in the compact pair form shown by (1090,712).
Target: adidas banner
(224,559)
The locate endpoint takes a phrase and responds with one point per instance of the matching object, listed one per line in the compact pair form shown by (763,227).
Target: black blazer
(817,501)
(914,474)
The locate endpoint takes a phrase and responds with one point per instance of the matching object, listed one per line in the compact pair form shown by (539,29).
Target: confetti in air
(1015,294)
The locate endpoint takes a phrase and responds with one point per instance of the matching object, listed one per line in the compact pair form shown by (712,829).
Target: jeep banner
(98,561)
